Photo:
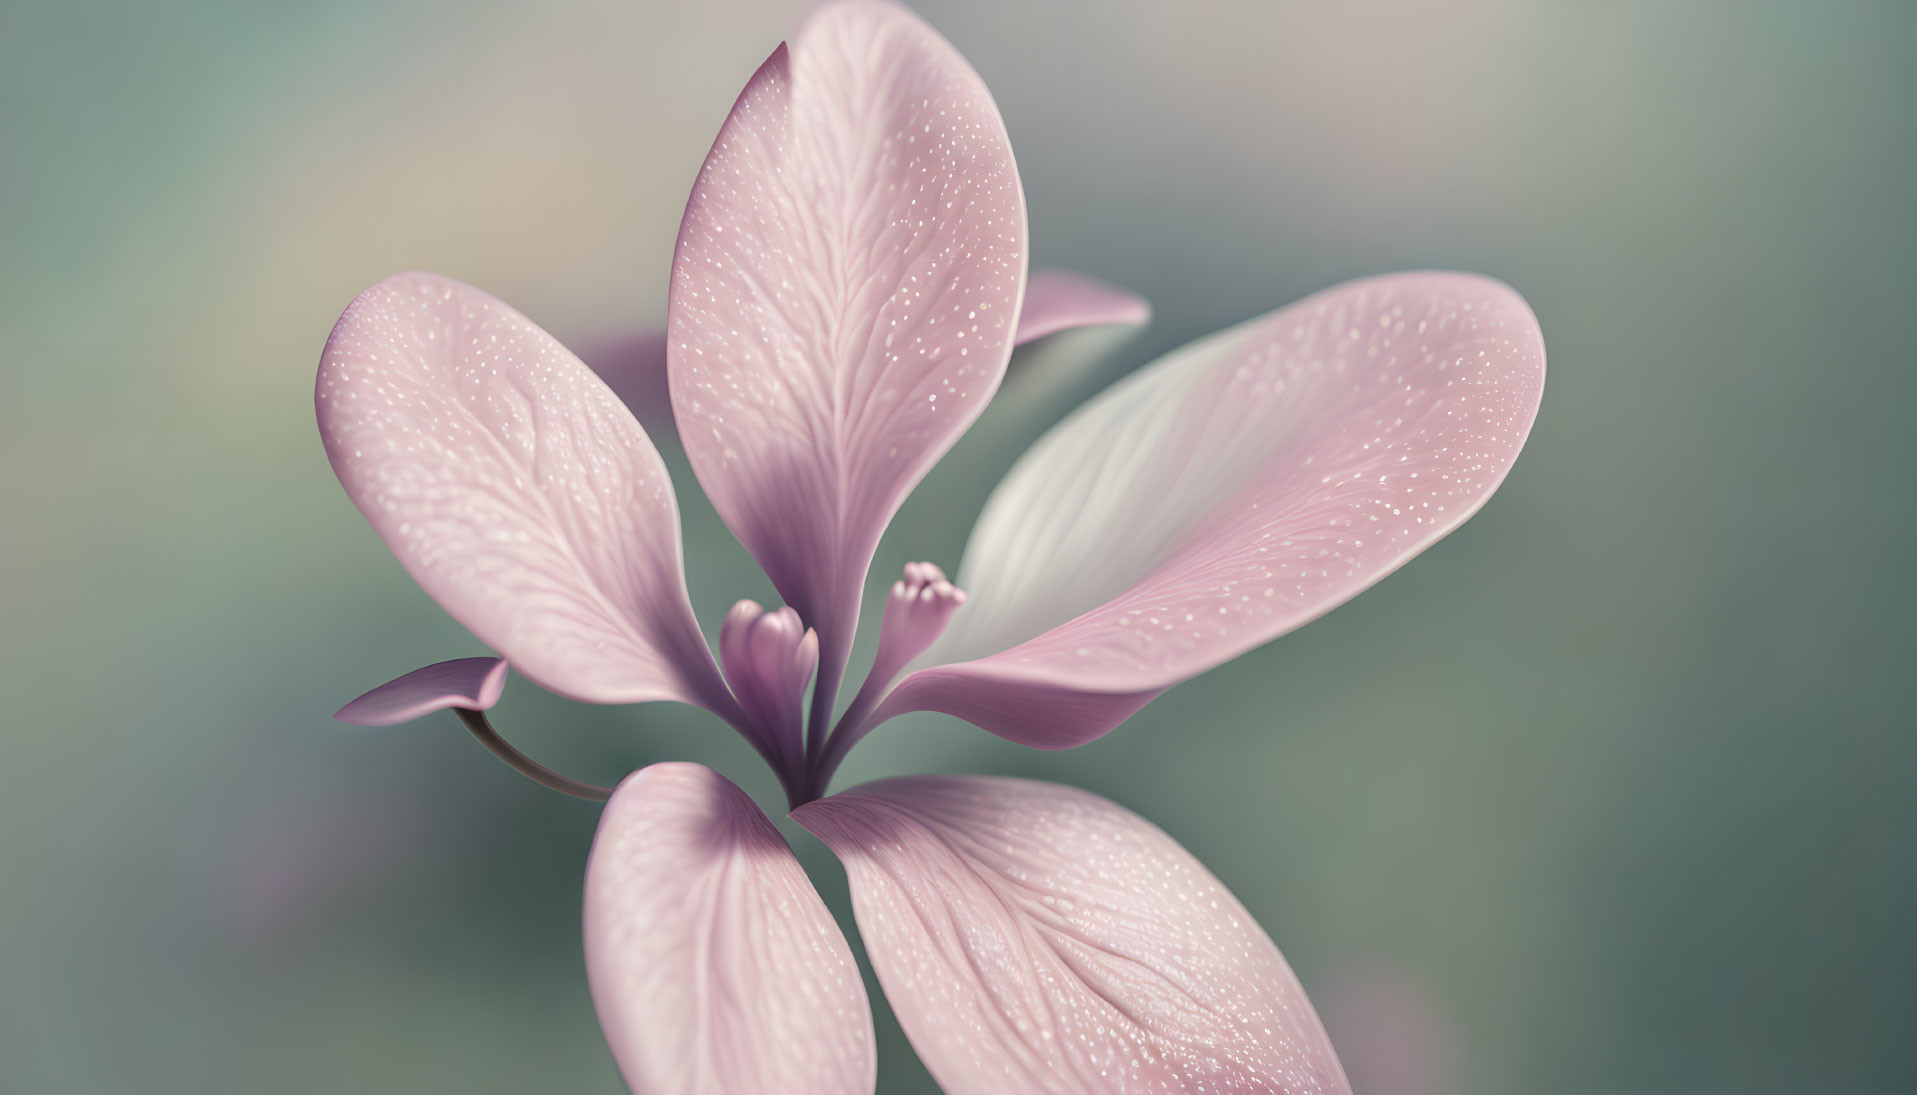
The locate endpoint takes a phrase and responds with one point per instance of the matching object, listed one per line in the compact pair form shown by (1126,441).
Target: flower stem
(525,765)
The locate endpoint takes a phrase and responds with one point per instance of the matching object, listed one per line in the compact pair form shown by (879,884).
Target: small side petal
(471,683)
(714,965)
(1237,489)
(515,489)
(844,295)
(1059,300)
(1034,938)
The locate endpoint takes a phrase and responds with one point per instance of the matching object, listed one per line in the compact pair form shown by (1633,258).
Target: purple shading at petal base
(844,294)
(472,683)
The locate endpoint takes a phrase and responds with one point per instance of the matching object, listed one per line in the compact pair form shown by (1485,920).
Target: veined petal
(515,489)
(1034,938)
(634,365)
(1059,300)
(1236,489)
(844,296)
(472,683)
(715,967)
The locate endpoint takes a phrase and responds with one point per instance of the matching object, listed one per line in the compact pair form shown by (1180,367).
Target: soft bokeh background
(1613,790)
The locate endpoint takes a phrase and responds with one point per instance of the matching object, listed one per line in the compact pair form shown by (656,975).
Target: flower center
(916,612)
(771,658)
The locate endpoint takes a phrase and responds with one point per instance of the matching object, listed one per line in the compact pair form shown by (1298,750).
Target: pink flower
(849,283)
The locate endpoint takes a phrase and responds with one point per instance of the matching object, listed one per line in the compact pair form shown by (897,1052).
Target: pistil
(919,607)
(769,659)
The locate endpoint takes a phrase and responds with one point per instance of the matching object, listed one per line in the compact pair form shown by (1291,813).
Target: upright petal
(1237,489)
(471,683)
(1034,938)
(633,364)
(516,490)
(844,296)
(714,965)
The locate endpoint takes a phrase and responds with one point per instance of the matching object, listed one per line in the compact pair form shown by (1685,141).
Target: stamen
(916,612)
(769,659)
(920,606)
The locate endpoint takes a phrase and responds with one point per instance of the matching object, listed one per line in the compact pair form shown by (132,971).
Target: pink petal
(515,489)
(1059,300)
(472,683)
(844,296)
(1237,489)
(633,365)
(714,965)
(1037,938)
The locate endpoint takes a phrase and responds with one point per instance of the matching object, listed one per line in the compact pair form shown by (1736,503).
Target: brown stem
(525,765)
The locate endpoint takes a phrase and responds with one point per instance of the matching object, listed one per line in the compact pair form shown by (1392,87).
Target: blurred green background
(1613,790)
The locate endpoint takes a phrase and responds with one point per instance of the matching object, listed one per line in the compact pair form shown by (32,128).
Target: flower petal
(1038,938)
(633,365)
(844,296)
(714,965)
(516,490)
(1059,300)
(1235,490)
(472,683)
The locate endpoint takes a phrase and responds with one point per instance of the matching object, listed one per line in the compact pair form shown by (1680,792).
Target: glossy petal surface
(1037,938)
(844,295)
(515,488)
(715,967)
(1059,300)
(1234,490)
(472,683)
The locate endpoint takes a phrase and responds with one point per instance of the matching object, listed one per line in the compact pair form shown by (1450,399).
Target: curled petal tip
(472,683)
